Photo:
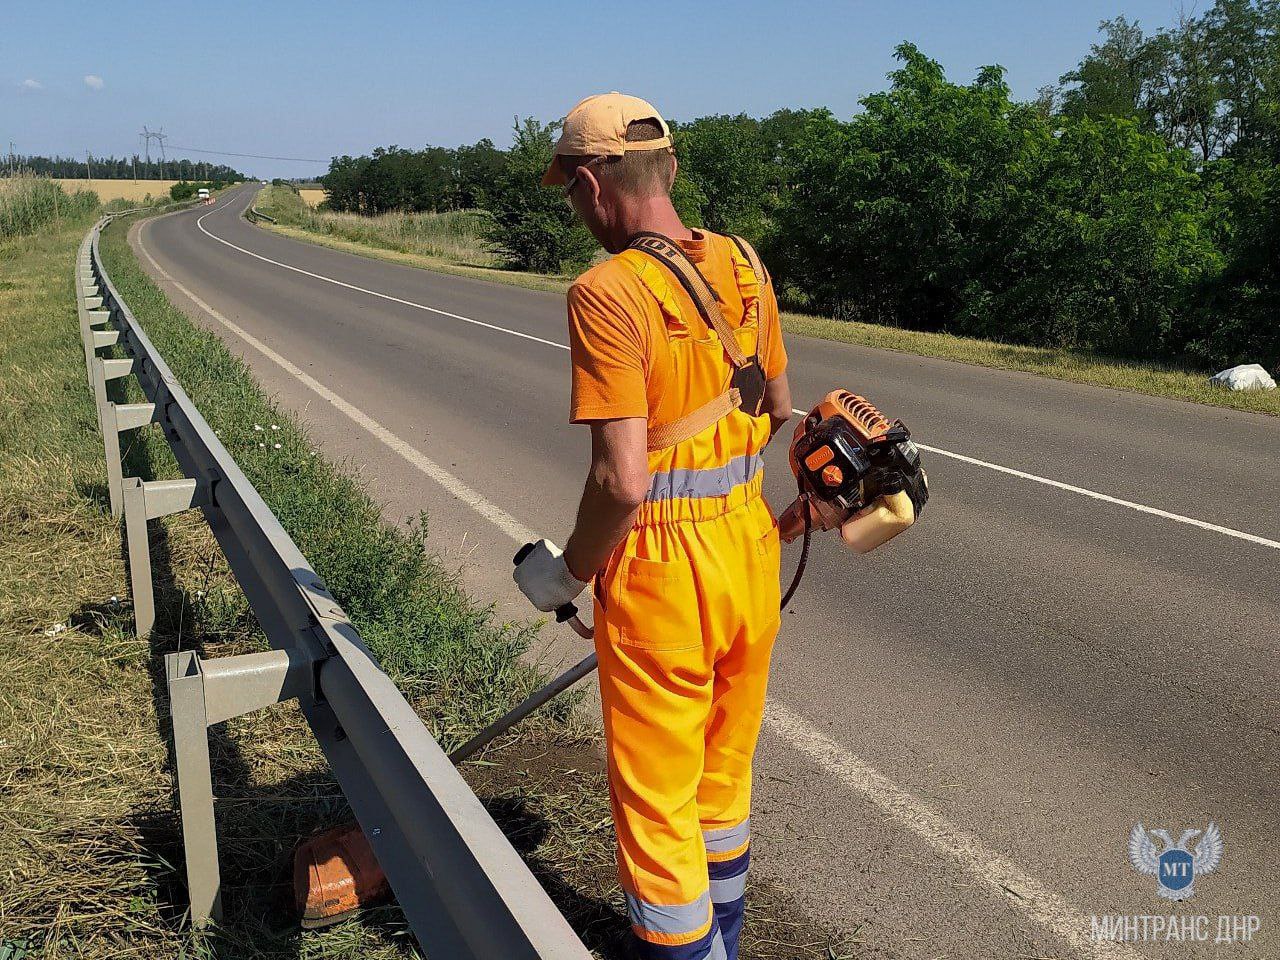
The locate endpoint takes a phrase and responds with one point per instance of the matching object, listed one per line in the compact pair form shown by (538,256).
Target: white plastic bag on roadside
(1247,376)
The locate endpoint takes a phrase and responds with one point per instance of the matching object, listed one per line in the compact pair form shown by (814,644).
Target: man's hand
(545,578)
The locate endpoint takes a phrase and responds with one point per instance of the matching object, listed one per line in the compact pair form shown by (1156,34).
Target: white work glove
(544,577)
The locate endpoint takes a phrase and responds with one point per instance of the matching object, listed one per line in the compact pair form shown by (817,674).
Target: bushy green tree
(736,168)
(953,207)
(1118,78)
(726,157)
(1209,84)
(433,178)
(891,214)
(533,226)
(1238,320)
(476,167)
(1117,237)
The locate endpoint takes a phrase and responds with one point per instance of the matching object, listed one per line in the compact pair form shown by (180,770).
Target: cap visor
(554,176)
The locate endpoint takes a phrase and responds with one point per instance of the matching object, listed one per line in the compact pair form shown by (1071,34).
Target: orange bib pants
(686,612)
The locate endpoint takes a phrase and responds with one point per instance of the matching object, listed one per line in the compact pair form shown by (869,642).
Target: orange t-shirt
(618,336)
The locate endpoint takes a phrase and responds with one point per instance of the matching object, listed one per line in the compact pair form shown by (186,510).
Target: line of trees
(1131,209)
(434,178)
(122,168)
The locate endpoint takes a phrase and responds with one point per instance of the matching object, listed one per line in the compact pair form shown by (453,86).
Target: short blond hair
(637,173)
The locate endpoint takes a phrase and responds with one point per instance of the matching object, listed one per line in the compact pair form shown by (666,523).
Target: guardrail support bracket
(114,419)
(143,501)
(202,693)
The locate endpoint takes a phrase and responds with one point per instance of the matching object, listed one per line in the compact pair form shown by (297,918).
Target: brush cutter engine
(846,455)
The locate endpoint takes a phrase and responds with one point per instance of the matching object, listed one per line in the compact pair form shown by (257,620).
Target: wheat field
(108,190)
(312,198)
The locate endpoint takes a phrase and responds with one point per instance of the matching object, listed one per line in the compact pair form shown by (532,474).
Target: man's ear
(675,168)
(591,183)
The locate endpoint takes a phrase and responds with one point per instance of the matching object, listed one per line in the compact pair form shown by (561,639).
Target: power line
(253,156)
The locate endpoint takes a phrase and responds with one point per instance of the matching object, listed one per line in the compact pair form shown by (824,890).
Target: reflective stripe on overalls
(686,613)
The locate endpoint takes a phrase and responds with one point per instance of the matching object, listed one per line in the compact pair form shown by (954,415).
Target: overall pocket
(653,605)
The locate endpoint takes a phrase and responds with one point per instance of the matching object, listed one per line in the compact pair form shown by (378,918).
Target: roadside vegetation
(28,202)
(186,189)
(89,833)
(457,236)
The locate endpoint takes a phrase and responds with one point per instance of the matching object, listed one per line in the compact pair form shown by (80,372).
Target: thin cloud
(29,84)
(93,82)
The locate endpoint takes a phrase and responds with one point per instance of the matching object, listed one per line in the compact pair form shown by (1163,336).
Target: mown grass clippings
(90,846)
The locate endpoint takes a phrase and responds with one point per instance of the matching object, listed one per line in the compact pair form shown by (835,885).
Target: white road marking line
(1105,498)
(1070,488)
(375,293)
(425,465)
(1019,889)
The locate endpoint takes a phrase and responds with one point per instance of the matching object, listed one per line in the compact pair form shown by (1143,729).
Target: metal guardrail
(253,214)
(462,886)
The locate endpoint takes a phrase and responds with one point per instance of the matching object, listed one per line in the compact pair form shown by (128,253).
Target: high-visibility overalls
(686,612)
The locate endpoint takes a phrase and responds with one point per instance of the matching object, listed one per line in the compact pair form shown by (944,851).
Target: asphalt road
(964,726)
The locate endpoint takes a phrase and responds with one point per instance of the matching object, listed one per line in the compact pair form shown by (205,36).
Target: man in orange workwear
(678,369)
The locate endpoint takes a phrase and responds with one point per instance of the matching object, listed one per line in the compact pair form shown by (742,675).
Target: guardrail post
(195,785)
(202,693)
(147,500)
(85,277)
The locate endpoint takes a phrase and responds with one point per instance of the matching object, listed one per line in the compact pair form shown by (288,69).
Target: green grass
(1076,366)
(89,834)
(28,202)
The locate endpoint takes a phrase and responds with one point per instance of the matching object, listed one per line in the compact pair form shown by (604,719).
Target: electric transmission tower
(159,137)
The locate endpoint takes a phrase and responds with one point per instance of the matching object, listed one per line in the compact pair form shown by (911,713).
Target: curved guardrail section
(253,214)
(462,886)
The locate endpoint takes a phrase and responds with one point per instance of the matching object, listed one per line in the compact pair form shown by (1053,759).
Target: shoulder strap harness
(746,386)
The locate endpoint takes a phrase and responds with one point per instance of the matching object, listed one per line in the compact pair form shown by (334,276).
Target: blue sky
(316,79)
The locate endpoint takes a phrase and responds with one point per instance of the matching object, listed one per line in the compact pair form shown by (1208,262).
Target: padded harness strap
(691,424)
(762,278)
(695,284)
(748,374)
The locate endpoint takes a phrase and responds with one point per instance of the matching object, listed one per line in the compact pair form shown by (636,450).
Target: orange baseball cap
(597,127)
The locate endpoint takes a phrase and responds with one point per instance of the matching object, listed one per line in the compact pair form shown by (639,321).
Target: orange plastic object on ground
(335,874)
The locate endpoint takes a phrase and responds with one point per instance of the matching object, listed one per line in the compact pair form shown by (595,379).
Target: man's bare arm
(616,486)
(777,402)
